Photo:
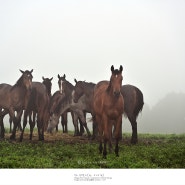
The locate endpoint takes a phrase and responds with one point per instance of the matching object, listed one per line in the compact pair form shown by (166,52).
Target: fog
(82,39)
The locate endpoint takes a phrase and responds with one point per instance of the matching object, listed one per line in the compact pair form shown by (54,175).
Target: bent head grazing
(27,78)
(116,81)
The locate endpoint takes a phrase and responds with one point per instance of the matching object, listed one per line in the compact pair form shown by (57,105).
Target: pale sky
(84,38)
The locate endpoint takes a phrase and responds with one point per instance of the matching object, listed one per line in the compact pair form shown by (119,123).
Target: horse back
(5,100)
(133,98)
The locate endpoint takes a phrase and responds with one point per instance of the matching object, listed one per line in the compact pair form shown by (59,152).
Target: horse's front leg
(75,123)
(117,134)
(24,125)
(83,119)
(16,121)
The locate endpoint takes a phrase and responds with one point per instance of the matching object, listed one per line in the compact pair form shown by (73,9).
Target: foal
(108,108)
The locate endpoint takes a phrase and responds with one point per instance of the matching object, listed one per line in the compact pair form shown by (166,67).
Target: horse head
(61,79)
(78,90)
(48,84)
(26,79)
(115,81)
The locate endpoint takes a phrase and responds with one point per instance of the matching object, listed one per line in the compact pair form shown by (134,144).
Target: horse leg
(81,125)
(24,125)
(133,122)
(16,121)
(118,126)
(100,131)
(64,122)
(75,122)
(2,115)
(81,116)
(32,123)
(40,126)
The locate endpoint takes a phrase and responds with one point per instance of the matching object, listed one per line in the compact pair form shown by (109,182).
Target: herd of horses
(106,101)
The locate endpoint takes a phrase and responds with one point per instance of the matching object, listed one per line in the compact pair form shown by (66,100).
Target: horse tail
(140,102)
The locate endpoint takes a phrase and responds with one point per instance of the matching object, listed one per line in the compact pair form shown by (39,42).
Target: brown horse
(38,104)
(133,103)
(15,98)
(108,108)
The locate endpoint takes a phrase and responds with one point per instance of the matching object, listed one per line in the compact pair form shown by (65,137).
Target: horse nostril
(116,93)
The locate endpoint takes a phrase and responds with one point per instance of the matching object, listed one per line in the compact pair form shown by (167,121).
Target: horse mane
(19,83)
(89,84)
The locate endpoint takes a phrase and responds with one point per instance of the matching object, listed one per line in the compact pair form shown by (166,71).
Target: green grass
(152,151)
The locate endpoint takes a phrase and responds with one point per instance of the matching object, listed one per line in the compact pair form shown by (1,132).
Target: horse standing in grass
(66,92)
(133,103)
(108,107)
(38,104)
(15,99)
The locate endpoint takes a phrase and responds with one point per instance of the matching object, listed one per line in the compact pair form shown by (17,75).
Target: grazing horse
(54,101)
(108,107)
(67,104)
(15,98)
(133,103)
(38,104)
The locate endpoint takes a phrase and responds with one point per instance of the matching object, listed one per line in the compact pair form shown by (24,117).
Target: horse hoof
(12,137)
(134,141)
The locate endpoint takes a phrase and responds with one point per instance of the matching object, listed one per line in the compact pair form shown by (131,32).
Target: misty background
(83,38)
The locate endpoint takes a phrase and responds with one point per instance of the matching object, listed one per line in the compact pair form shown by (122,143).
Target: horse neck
(63,105)
(48,91)
(88,89)
(69,89)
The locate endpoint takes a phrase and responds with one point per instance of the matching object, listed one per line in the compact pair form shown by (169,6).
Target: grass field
(65,151)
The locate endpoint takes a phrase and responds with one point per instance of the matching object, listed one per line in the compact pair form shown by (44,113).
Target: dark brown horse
(133,103)
(108,107)
(15,98)
(38,104)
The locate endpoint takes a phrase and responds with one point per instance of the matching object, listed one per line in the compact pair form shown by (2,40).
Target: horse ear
(112,68)
(31,71)
(51,79)
(75,80)
(121,68)
(43,78)
(21,71)
(58,76)
(64,76)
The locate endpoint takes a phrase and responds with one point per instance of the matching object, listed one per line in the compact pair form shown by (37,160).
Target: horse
(133,99)
(108,107)
(67,104)
(38,104)
(62,79)
(133,105)
(54,101)
(15,98)
(87,89)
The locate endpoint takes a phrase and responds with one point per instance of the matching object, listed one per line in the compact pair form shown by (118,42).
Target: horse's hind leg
(32,124)
(24,125)
(133,122)
(64,122)
(81,116)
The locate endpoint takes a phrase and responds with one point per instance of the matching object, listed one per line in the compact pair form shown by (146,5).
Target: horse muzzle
(117,93)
